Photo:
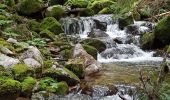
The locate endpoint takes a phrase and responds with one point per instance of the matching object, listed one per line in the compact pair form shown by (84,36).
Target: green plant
(9,32)
(37,42)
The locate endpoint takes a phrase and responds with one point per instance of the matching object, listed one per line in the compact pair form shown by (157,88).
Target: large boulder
(91,65)
(96,33)
(51,24)
(96,43)
(162,32)
(62,74)
(56,11)
(90,50)
(28,7)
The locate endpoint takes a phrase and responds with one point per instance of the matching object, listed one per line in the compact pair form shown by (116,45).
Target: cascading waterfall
(126,51)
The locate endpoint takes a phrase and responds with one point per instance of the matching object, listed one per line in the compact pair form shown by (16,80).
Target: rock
(50,85)
(96,43)
(32,63)
(34,53)
(54,2)
(27,86)
(118,40)
(125,21)
(7,61)
(21,46)
(51,24)
(11,40)
(9,89)
(77,3)
(28,7)
(76,66)
(100,25)
(20,71)
(147,41)
(96,33)
(132,29)
(162,32)
(90,50)
(5,50)
(98,5)
(6,44)
(62,74)
(56,11)
(91,65)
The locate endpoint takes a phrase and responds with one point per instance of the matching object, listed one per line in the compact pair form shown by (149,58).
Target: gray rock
(97,33)
(11,40)
(32,63)
(7,61)
(5,50)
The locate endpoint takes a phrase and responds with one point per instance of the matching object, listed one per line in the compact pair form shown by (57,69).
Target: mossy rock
(27,86)
(4,72)
(6,44)
(62,74)
(20,71)
(77,3)
(48,64)
(33,25)
(96,43)
(66,53)
(86,12)
(147,40)
(56,11)
(125,20)
(21,46)
(46,53)
(162,32)
(28,7)
(98,5)
(51,24)
(90,50)
(168,50)
(47,34)
(76,66)
(54,2)
(51,85)
(9,89)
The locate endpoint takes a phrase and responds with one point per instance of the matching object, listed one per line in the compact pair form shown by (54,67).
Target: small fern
(37,42)
(5,22)
(9,32)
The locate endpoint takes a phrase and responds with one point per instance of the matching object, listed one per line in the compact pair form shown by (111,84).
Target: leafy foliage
(37,42)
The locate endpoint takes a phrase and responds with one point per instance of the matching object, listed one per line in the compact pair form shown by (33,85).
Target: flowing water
(121,61)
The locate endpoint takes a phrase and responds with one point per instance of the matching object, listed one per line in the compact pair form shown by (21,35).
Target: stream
(121,61)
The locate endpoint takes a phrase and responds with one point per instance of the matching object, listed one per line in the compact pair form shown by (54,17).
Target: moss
(47,34)
(46,53)
(6,44)
(9,3)
(147,41)
(125,21)
(51,24)
(168,50)
(54,2)
(28,7)
(99,45)
(21,46)
(33,25)
(27,86)
(45,82)
(48,64)
(3,6)
(104,11)
(56,11)
(9,87)
(77,3)
(76,66)
(87,12)
(62,74)
(20,71)
(100,4)
(67,53)
(162,32)
(90,50)
(2,17)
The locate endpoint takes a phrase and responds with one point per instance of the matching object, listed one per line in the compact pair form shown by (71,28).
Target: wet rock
(62,74)
(76,66)
(28,7)
(7,61)
(56,11)
(132,29)
(118,40)
(96,33)
(91,65)
(9,89)
(99,45)
(100,25)
(34,53)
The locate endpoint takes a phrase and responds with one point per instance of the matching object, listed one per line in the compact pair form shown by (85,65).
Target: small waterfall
(122,45)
